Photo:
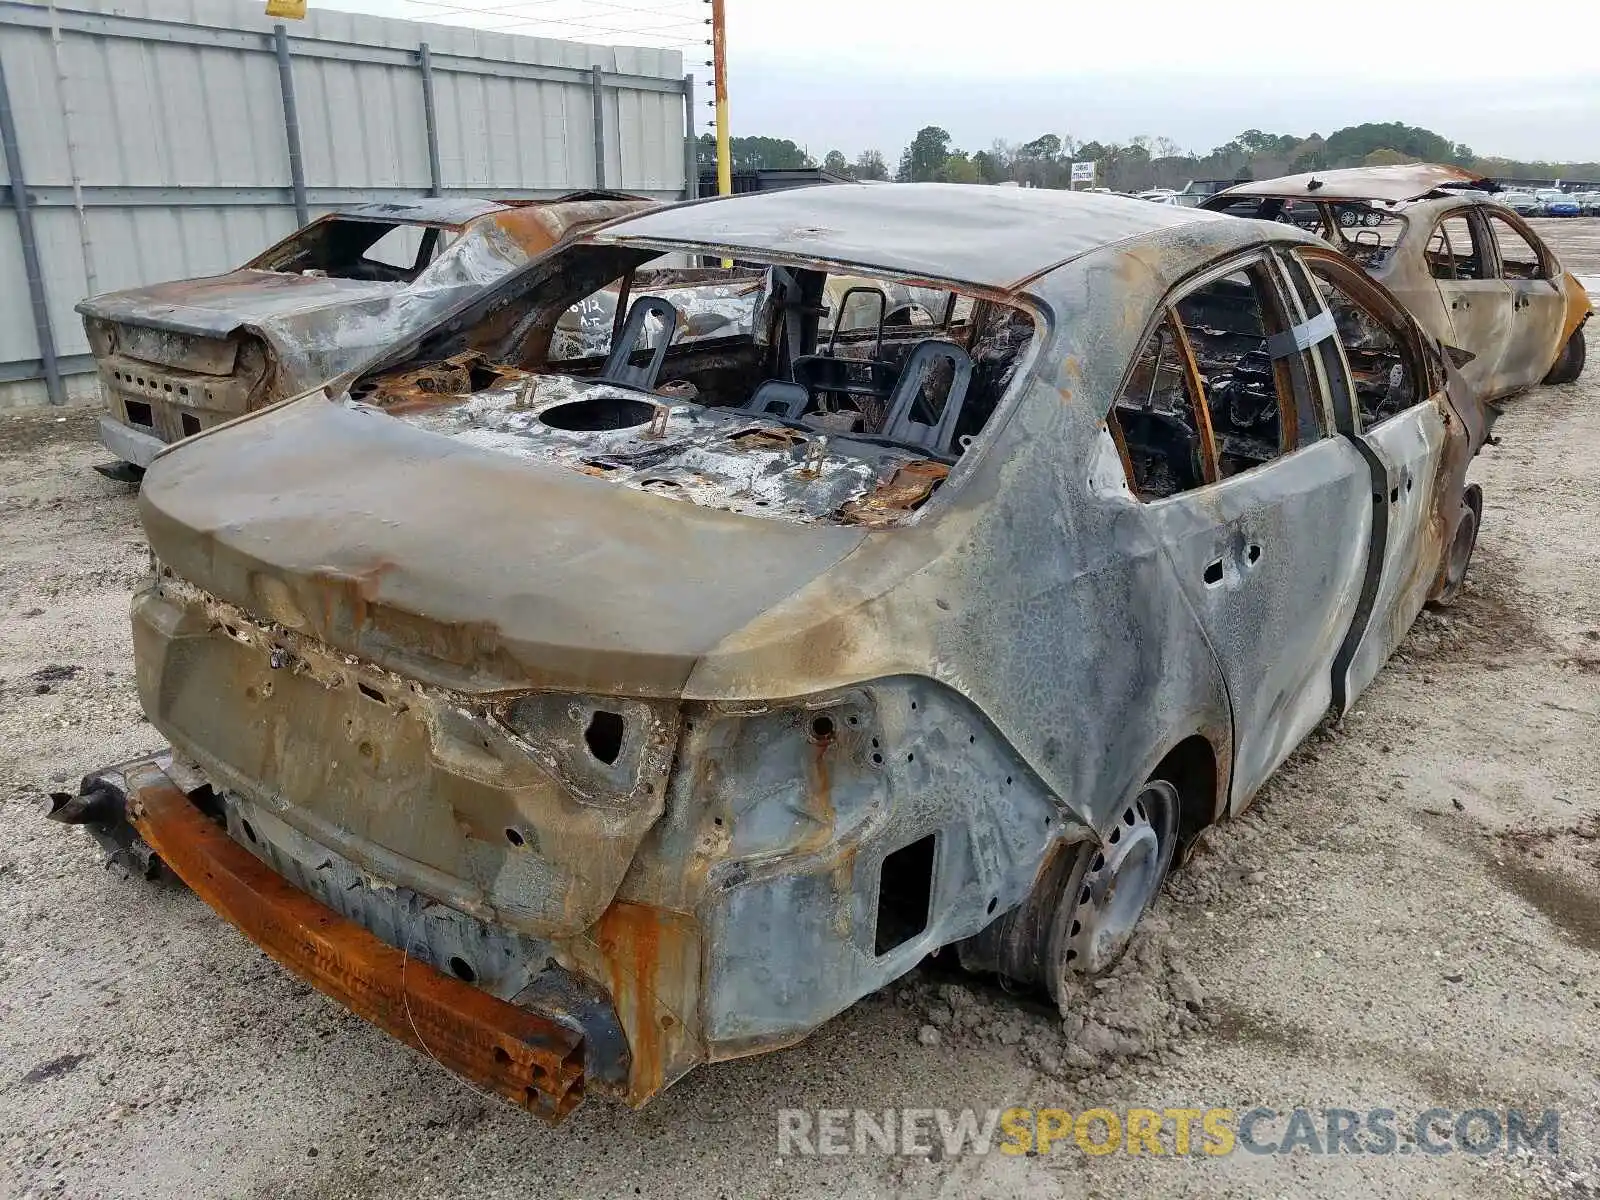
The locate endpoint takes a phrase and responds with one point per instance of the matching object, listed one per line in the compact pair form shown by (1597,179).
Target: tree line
(1143,162)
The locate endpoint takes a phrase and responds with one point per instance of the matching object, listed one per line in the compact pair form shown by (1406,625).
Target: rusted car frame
(1471,270)
(681,696)
(175,358)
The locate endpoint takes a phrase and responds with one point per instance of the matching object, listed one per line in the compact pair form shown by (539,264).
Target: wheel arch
(1194,767)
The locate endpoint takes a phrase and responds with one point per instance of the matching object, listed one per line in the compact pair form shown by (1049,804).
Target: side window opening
(1220,387)
(1249,396)
(1452,251)
(1518,258)
(1156,422)
(1386,380)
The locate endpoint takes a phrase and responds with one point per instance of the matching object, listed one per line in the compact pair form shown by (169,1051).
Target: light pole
(719,65)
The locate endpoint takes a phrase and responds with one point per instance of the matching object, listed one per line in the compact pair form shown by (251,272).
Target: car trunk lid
(462,566)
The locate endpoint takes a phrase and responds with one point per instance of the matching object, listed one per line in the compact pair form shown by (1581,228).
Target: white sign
(1083,172)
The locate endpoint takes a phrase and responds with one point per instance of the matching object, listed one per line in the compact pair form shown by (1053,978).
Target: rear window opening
(783,391)
(350,248)
(1363,231)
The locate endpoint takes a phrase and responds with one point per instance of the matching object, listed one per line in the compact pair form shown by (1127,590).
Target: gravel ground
(1408,918)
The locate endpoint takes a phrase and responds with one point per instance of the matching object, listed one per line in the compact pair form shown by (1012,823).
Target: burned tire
(1569,363)
(1079,917)
(1458,556)
(1110,887)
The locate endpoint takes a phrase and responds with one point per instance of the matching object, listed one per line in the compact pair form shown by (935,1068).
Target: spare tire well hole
(603,735)
(598,414)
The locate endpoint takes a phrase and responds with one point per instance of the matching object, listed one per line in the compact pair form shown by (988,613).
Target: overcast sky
(858,74)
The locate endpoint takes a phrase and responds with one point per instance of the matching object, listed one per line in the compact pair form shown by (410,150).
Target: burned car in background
(1470,269)
(580,720)
(176,358)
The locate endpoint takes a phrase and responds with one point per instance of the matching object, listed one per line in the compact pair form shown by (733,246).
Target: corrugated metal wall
(152,142)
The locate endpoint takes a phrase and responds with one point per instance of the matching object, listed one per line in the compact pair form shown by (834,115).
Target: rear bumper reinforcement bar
(520,1055)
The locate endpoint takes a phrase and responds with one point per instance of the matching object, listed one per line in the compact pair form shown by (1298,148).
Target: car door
(1388,398)
(1262,514)
(1538,305)
(1461,258)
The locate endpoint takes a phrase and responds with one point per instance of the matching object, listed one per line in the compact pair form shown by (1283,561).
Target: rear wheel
(1459,555)
(1110,889)
(1569,363)
(1081,914)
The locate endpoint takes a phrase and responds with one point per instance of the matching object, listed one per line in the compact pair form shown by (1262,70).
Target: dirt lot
(1408,918)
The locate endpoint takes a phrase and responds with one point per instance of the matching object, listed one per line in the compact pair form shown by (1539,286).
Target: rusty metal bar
(430,121)
(291,124)
(31,270)
(531,1061)
(598,95)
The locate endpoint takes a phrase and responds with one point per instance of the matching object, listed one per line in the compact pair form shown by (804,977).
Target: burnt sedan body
(1470,269)
(584,719)
(175,358)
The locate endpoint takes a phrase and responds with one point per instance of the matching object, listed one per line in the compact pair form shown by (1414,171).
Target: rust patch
(766,439)
(646,955)
(530,1061)
(436,384)
(908,487)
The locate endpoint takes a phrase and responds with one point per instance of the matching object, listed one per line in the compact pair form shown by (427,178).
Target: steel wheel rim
(1119,882)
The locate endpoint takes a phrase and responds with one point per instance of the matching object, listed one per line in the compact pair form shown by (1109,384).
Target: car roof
(1408,181)
(459,210)
(430,210)
(966,233)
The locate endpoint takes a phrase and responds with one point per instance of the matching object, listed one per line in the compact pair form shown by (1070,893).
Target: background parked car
(1471,270)
(1522,203)
(175,358)
(1557,203)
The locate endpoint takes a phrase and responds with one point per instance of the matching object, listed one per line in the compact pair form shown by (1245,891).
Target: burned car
(1471,270)
(176,358)
(582,720)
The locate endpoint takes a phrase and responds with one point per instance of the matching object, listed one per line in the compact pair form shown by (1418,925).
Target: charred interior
(1208,397)
(1221,328)
(795,392)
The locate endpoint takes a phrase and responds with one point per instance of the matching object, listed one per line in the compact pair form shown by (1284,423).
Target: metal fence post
(30,248)
(597,92)
(291,124)
(691,150)
(430,121)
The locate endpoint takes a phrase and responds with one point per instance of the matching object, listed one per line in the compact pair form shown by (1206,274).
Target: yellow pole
(719,60)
